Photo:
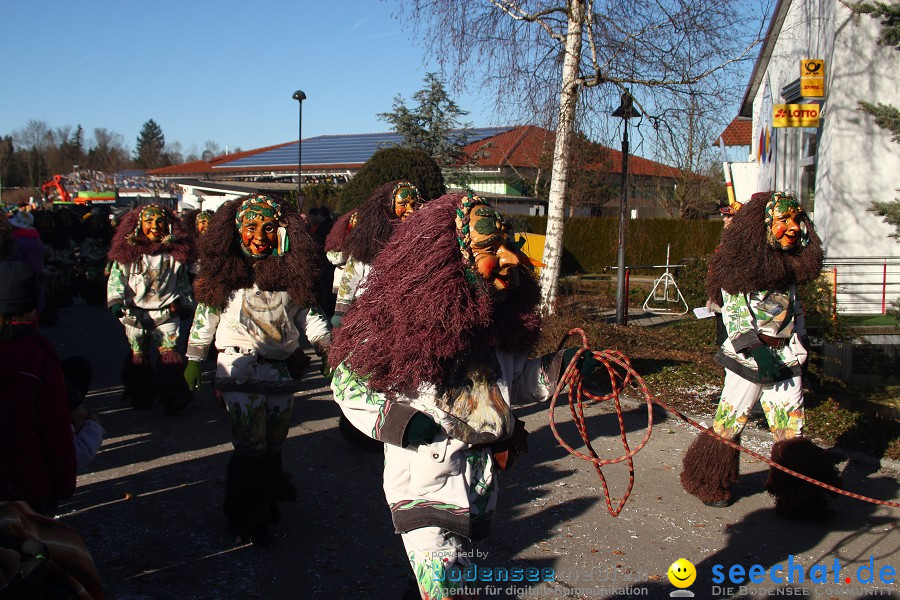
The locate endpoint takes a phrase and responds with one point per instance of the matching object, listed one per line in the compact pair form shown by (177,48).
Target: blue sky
(220,70)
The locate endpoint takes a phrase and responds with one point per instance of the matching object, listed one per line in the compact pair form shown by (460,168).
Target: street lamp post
(626,111)
(299,96)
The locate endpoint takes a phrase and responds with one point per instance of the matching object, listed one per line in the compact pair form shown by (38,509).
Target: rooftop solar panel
(339,149)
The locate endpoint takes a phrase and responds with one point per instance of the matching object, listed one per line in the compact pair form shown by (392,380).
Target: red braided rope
(621,376)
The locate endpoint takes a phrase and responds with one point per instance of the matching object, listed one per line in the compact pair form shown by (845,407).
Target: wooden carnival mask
(405,199)
(202,222)
(487,247)
(258,221)
(154,223)
(786,223)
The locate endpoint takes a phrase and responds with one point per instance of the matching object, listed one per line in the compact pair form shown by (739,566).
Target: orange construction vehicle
(57,184)
(84,198)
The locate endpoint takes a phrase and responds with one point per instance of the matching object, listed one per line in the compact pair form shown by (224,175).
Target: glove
(585,365)
(297,364)
(420,430)
(506,452)
(336,320)
(193,372)
(118,310)
(765,363)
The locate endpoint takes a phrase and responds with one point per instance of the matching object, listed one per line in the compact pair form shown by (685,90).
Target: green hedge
(591,244)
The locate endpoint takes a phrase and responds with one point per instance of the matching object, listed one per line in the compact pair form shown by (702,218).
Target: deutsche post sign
(812,78)
(795,115)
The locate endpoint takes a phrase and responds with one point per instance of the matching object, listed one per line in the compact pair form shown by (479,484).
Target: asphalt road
(149,508)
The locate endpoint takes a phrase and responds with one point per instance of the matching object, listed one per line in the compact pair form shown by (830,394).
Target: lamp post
(626,111)
(299,96)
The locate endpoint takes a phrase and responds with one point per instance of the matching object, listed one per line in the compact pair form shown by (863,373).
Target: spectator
(37,452)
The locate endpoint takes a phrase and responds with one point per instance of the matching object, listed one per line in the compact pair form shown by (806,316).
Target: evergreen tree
(151,145)
(430,125)
(11,172)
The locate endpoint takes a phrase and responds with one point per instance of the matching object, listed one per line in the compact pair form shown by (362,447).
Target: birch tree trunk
(562,150)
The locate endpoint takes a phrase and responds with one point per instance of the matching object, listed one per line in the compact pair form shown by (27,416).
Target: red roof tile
(524,147)
(738,133)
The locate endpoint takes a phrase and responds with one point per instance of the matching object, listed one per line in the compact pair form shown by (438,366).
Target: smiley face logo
(682,573)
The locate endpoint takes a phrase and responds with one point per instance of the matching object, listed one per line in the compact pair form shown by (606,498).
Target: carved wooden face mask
(786,223)
(259,232)
(154,224)
(405,199)
(203,222)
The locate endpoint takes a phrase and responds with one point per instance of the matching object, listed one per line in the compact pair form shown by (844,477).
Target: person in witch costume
(335,245)
(149,292)
(770,248)
(377,217)
(195,222)
(430,359)
(256,294)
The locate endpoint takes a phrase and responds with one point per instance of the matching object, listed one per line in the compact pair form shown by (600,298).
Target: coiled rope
(621,376)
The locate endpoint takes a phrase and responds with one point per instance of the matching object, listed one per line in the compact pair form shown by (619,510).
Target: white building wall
(856,162)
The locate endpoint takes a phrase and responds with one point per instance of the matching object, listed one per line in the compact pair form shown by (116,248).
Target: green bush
(591,243)
(389,164)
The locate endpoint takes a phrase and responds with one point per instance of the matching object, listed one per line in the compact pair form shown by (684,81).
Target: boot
(710,469)
(173,390)
(253,488)
(795,498)
(138,380)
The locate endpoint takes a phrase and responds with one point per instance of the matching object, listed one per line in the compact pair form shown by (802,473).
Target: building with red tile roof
(503,159)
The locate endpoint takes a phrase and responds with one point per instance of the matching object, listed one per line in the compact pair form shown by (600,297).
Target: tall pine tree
(151,145)
(430,125)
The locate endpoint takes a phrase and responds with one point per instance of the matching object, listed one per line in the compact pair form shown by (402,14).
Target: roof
(524,146)
(493,147)
(738,133)
(331,152)
(765,53)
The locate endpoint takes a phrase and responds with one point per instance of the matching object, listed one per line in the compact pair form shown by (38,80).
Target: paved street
(150,507)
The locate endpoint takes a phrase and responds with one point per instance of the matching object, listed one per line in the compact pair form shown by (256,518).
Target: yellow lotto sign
(812,78)
(795,115)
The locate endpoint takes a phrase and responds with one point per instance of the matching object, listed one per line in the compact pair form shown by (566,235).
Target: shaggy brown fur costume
(224,268)
(128,247)
(710,468)
(744,262)
(419,315)
(375,225)
(254,485)
(795,498)
(340,231)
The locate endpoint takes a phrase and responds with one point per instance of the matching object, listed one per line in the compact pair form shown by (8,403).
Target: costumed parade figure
(196,223)
(335,246)
(149,292)
(431,356)
(769,249)
(256,298)
(98,232)
(377,217)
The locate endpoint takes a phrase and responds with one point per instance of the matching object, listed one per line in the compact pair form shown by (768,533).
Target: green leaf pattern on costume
(424,569)
(784,421)
(738,318)
(115,287)
(201,321)
(483,483)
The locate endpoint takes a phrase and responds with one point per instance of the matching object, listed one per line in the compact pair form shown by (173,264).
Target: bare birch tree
(539,56)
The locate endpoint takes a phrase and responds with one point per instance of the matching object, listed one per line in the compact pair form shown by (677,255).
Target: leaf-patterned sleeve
(115,286)
(368,410)
(739,322)
(203,331)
